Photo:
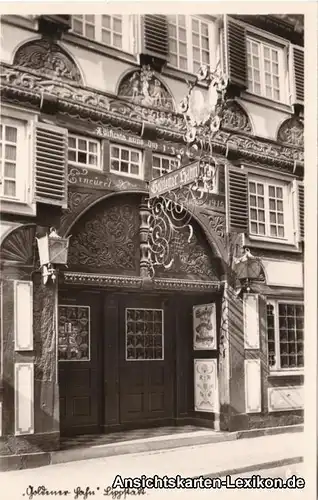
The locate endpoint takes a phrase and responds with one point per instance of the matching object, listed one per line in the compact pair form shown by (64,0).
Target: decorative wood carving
(44,321)
(143,87)
(216,222)
(47,57)
(107,238)
(192,259)
(234,117)
(291,132)
(19,245)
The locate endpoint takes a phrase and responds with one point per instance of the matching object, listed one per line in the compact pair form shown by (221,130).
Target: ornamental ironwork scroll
(175,195)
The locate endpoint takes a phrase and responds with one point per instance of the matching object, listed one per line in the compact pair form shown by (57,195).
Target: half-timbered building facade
(90,114)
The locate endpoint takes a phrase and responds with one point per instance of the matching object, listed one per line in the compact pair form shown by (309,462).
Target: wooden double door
(116,360)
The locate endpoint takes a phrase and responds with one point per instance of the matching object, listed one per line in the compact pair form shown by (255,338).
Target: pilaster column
(143,231)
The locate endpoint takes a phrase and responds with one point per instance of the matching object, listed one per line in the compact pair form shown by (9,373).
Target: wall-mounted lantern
(53,251)
(248,268)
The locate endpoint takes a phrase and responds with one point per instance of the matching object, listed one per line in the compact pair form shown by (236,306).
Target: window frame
(288,208)
(88,139)
(24,150)
(130,149)
(189,43)
(163,157)
(277,367)
(282,49)
(127,31)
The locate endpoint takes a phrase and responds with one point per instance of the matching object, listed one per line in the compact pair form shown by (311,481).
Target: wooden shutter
(50,172)
(155,36)
(297,74)
(237,200)
(301,211)
(235,52)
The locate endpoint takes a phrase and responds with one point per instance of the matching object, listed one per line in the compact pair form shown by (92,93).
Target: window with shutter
(190,42)
(14,149)
(234,51)
(112,30)
(155,36)
(50,175)
(301,211)
(297,74)
(237,200)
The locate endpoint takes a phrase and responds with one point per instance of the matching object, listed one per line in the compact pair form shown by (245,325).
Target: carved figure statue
(157,94)
(134,81)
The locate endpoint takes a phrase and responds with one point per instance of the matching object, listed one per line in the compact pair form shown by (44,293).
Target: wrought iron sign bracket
(173,196)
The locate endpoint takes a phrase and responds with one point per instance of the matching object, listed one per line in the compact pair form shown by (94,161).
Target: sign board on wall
(204,327)
(174,180)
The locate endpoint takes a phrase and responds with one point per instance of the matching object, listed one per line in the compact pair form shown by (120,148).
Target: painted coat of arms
(204,327)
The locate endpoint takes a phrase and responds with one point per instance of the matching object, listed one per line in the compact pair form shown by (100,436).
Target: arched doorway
(126,356)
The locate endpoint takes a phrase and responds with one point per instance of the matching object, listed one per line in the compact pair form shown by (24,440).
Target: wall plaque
(73,333)
(206,385)
(204,327)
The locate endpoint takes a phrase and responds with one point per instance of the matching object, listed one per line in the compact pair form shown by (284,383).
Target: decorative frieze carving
(144,87)
(291,132)
(47,57)
(81,103)
(136,282)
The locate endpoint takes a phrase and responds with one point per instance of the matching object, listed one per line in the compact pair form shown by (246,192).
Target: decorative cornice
(105,109)
(136,282)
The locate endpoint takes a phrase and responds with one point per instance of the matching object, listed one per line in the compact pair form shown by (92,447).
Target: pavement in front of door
(143,441)
(96,476)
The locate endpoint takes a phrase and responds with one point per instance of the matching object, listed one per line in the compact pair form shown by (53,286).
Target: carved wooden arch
(214,241)
(144,87)
(291,132)
(236,117)
(19,245)
(49,58)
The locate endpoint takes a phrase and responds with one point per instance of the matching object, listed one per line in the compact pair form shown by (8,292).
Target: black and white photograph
(158,250)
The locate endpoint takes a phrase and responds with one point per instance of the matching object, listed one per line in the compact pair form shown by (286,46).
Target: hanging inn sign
(191,184)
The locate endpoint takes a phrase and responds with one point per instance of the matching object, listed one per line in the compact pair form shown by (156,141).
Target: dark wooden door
(146,373)
(79,346)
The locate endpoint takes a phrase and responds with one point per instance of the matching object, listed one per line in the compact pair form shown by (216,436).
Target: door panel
(146,381)
(79,363)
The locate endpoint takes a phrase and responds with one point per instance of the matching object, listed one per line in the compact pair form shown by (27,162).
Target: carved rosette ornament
(48,58)
(143,87)
(291,132)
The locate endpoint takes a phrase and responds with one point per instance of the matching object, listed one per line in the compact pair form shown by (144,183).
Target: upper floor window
(162,164)
(268,202)
(111,30)
(12,155)
(266,69)
(189,42)
(125,161)
(285,333)
(83,151)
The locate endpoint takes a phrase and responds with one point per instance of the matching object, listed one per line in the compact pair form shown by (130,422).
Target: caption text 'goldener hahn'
(123,487)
